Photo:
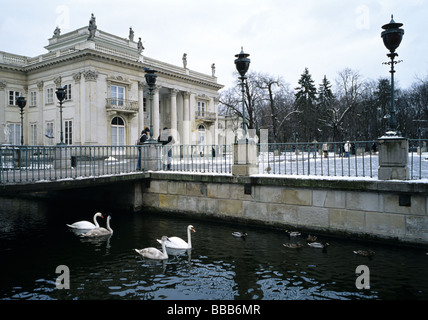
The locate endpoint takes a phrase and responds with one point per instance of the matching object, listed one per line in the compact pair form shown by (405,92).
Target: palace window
(14,133)
(33,134)
(13,95)
(117,131)
(49,133)
(67,89)
(201,109)
(49,95)
(117,95)
(68,132)
(33,99)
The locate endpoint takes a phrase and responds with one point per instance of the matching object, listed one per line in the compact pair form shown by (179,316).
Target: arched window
(201,138)
(201,135)
(117,131)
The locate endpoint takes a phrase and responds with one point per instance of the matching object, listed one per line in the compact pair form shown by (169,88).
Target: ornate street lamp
(242,64)
(60,94)
(151,81)
(21,102)
(392,37)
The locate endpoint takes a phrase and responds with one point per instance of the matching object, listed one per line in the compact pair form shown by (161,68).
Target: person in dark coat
(143,138)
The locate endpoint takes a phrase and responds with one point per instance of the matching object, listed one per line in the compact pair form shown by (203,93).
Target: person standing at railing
(167,141)
(325,150)
(143,137)
(347,148)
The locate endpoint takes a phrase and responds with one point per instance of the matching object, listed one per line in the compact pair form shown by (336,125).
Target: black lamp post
(21,102)
(242,64)
(151,81)
(60,94)
(392,37)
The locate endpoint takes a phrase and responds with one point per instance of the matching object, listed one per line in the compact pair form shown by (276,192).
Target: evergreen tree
(325,101)
(305,103)
(382,96)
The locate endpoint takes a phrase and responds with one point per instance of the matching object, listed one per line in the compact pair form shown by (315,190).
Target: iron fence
(28,164)
(418,158)
(345,159)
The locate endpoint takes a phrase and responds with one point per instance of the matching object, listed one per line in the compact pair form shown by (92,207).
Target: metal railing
(418,158)
(27,164)
(30,164)
(199,158)
(345,159)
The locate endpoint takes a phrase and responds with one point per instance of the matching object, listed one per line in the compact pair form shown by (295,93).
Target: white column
(40,106)
(3,96)
(91,108)
(186,118)
(77,124)
(215,131)
(180,118)
(141,86)
(173,126)
(156,124)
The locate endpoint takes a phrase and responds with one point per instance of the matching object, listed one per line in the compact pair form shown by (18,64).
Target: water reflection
(35,240)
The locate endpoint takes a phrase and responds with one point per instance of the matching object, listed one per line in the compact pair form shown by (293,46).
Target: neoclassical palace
(107,97)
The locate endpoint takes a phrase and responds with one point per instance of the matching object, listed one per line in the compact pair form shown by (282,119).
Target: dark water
(34,241)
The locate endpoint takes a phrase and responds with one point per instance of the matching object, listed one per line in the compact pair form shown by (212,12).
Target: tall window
(33,134)
(201,139)
(49,95)
(117,95)
(50,132)
(13,95)
(33,98)
(201,109)
(14,133)
(117,131)
(67,89)
(68,133)
(201,135)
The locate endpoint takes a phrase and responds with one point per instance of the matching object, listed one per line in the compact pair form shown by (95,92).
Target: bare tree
(348,95)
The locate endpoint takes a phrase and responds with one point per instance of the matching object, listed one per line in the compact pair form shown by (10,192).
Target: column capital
(173,92)
(40,85)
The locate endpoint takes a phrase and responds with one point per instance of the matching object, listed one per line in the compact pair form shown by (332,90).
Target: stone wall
(393,210)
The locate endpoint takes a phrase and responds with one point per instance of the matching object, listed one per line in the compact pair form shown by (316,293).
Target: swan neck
(108,226)
(164,247)
(189,238)
(95,221)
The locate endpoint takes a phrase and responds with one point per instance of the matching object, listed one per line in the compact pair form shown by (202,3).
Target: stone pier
(396,211)
(393,158)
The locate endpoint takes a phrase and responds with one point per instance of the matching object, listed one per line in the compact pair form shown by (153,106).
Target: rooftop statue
(92,27)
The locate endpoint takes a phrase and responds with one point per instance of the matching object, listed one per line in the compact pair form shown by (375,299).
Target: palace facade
(107,97)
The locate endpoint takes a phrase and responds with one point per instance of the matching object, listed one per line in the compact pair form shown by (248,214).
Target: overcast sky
(281,36)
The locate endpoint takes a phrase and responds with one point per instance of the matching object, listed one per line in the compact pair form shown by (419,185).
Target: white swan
(86,224)
(178,243)
(100,231)
(153,253)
